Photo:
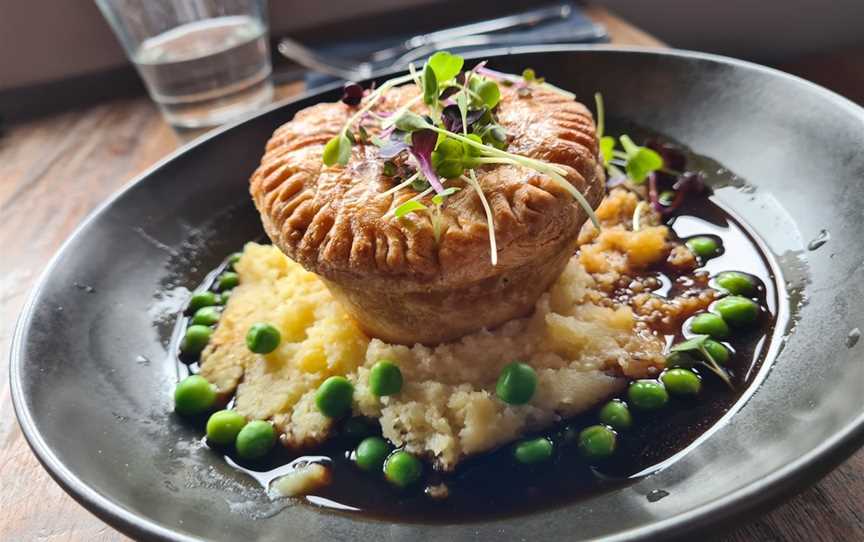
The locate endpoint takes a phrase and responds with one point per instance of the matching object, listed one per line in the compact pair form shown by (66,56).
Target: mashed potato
(583,345)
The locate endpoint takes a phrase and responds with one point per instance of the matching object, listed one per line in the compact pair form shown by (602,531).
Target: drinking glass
(204,62)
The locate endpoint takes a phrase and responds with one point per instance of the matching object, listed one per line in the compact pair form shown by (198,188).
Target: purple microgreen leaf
(447,92)
(422,144)
(451,116)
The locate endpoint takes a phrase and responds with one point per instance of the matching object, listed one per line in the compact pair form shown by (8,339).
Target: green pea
(371,453)
(357,427)
(223,426)
(736,283)
(195,339)
(709,324)
(616,415)
(719,353)
(681,382)
(533,451)
(703,246)
(206,316)
(228,280)
(385,378)
(334,397)
(223,298)
(516,384)
(194,395)
(262,338)
(597,442)
(233,259)
(201,299)
(647,395)
(402,469)
(738,311)
(255,440)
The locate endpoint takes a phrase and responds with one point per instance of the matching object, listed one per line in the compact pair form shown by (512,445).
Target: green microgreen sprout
(338,149)
(490,224)
(638,162)
(492,155)
(696,345)
(414,206)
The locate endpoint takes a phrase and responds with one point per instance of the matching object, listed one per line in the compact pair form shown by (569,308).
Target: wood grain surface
(55,170)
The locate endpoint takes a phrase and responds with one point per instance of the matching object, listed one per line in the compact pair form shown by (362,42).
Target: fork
(356,71)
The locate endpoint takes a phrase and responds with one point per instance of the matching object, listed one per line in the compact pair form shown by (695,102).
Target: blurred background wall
(48,40)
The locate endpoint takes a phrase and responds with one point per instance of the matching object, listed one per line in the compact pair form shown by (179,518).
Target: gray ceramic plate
(91,383)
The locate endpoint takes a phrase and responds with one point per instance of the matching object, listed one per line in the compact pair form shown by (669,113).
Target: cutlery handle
(595,32)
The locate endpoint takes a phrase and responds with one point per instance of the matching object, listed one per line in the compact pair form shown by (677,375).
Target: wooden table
(55,170)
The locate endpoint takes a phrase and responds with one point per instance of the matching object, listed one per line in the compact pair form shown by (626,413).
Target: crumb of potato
(302,480)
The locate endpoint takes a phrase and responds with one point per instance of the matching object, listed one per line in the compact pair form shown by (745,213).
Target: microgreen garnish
(422,144)
(460,134)
(338,149)
(696,345)
(445,65)
(430,86)
(455,120)
(638,162)
(493,155)
(515,80)
(487,210)
(414,206)
(409,207)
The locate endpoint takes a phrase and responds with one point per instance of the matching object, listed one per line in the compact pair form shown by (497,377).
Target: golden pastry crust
(391,273)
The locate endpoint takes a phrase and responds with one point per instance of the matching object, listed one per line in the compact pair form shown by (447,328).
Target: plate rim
(777,485)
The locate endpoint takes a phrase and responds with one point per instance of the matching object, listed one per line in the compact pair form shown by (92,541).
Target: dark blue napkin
(576,28)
